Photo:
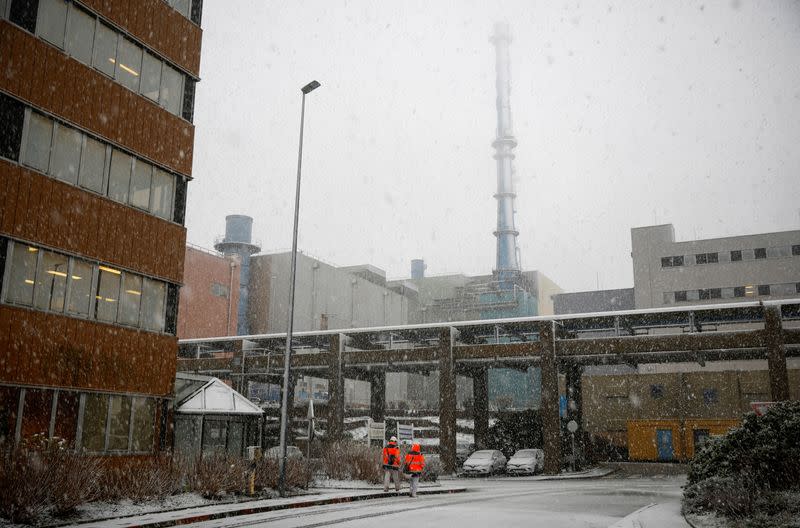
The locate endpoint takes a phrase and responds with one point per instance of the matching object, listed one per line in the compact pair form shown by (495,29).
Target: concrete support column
(575,406)
(776,355)
(377,396)
(480,407)
(447,401)
(551,422)
(336,387)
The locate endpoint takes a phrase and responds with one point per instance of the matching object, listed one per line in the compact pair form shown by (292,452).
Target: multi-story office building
(714,270)
(96,140)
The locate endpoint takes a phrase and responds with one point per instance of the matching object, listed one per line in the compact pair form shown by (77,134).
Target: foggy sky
(626,114)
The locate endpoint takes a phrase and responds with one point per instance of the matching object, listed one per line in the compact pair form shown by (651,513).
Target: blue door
(664,442)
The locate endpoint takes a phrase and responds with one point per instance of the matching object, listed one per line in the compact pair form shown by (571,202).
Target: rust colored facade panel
(81,354)
(203,311)
(44,71)
(157,26)
(55,214)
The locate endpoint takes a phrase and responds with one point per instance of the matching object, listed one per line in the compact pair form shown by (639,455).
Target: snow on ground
(359,433)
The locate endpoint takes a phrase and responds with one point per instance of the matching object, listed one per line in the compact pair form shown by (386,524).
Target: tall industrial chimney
(238,241)
(507,268)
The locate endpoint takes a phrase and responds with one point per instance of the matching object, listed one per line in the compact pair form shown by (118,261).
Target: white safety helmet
(393,439)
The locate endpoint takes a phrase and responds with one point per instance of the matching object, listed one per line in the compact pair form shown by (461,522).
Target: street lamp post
(285,415)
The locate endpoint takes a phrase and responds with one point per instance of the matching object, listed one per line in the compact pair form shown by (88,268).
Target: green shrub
(764,449)
(516,430)
(751,473)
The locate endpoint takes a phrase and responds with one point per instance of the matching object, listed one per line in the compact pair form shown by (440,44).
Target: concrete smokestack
(237,241)
(417,269)
(507,265)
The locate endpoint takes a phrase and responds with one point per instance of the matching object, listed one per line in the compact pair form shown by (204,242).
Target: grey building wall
(594,301)
(708,271)
(321,291)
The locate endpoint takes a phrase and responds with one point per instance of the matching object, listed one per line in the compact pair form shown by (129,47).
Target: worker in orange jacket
(414,465)
(391,465)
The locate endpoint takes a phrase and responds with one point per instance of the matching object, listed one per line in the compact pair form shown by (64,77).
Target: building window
(80,35)
(151,77)
(171,97)
(66,154)
(796,250)
(23,14)
(130,299)
(671,262)
(763,289)
(704,294)
(93,165)
(12,116)
(797,287)
(736,255)
(144,424)
(219,290)
(105,49)
(153,305)
(51,282)
(760,253)
(710,396)
(107,295)
(129,64)
(23,274)
(163,194)
(80,290)
(738,291)
(37,144)
(140,185)
(95,417)
(715,293)
(680,296)
(119,423)
(119,178)
(52,20)
(706,258)
(656,391)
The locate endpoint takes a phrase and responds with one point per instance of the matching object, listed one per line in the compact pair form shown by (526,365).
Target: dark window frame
(736,255)
(759,253)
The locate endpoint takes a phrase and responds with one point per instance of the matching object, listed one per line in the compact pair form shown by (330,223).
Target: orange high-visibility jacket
(391,456)
(415,462)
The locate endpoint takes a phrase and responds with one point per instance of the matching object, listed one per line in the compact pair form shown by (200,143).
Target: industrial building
(738,268)
(663,411)
(209,298)
(96,141)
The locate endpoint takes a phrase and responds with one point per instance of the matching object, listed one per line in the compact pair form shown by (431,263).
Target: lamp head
(313,85)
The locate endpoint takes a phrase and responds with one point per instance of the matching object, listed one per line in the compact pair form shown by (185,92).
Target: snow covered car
(525,462)
(485,462)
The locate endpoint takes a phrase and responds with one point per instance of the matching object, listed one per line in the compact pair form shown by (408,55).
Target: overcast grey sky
(626,114)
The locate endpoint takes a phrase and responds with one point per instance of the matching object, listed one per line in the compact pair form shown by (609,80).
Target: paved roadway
(498,503)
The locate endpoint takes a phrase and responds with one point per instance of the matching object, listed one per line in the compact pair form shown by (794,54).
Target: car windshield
(525,453)
(481,455)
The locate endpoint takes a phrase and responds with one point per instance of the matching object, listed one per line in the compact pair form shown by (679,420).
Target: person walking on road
(391,465)
(414,464)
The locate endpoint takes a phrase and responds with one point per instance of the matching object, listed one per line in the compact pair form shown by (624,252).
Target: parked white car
(526,462)
(485,462)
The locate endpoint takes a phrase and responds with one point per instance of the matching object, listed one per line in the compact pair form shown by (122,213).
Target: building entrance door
(664,443)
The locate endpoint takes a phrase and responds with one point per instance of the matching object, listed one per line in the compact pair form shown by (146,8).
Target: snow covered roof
(215,397)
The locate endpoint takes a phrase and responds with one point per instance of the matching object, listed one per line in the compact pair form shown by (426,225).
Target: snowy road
(487,504)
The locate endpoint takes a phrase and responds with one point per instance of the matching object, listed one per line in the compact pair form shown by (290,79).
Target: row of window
(737,255)
(54,282)
(70,155)
(710,396)
(97,423)
(86,38)
(762,290)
